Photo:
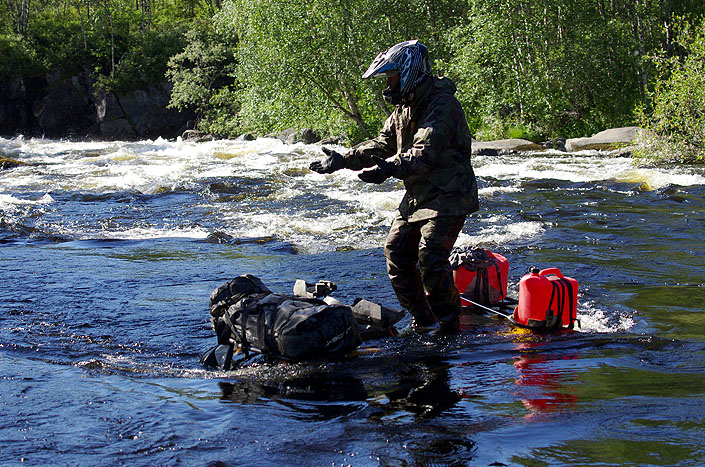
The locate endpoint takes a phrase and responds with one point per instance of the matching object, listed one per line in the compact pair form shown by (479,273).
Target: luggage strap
(480,261)
(241,332)
(562,291)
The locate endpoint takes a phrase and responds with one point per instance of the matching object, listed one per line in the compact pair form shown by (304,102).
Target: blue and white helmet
(409,58)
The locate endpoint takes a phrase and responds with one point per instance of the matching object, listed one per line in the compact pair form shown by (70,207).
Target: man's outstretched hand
(334,161)
(379,174)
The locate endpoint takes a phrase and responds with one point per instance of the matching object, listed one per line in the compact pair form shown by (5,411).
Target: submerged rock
(7,163)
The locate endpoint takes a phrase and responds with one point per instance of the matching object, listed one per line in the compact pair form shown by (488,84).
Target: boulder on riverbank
(504,146)
(292,135)
(613,138)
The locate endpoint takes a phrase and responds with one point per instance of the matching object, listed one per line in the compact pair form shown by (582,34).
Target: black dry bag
(245,313)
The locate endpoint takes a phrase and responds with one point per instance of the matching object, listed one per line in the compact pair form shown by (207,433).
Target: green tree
(203,75)
(123,43)
(300,62)
(675,120)
(554,66)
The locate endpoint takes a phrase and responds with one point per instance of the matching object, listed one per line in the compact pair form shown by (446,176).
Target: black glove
(379,174)
(334,161)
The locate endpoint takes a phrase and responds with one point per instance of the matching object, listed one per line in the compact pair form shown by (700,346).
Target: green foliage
(557,67)
(18,57)
(203,75)
(145,60)
(300,62)
(124,44)
(533,69)
(675,121)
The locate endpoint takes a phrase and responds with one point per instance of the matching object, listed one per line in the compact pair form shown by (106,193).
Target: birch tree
(300,62)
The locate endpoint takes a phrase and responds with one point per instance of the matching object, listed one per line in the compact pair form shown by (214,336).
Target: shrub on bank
(675,120)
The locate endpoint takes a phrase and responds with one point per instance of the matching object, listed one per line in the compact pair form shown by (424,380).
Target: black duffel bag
(245,313)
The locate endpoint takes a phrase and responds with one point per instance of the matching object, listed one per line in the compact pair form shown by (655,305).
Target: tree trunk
(112,36)
(83,27)
(639,30)
(146,13)
(21,8)
(355,111)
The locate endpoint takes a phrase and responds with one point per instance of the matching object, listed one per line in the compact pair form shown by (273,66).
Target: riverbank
(617,142)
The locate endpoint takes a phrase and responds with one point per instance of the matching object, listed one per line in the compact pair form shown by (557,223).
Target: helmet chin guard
(409,59)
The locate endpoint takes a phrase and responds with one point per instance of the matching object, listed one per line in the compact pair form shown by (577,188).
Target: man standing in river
(426,143)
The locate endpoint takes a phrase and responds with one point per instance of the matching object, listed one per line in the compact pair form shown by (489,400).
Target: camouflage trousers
(418,267)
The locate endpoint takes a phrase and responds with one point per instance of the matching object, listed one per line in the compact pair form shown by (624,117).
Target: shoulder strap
(573,312)
(499,278)
(549,322)
(562,291)
(482,287)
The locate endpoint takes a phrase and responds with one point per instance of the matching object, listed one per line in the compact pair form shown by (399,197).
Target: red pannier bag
(479,274)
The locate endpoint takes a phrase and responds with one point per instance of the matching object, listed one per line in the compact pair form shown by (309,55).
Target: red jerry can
(547,300)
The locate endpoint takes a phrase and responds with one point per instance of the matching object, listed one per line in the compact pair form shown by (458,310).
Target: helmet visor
(381,67)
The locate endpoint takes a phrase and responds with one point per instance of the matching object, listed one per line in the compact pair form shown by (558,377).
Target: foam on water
(594,319)
(499,233)
(9,200)
(654,179)
(491,191)
(274,186)
(582,167)
(143,166)
(384,201)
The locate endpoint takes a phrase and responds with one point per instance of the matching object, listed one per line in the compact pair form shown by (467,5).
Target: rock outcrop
(607,140)
(55,106)
(139,114)
(503,146)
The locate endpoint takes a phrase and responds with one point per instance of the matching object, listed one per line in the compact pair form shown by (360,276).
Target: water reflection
(423,390)
(542,387)
(319,398)
(395,390)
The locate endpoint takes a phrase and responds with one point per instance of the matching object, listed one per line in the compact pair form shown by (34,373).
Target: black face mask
(392,95)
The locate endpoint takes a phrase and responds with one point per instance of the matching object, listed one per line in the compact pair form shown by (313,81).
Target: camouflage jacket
(429,143)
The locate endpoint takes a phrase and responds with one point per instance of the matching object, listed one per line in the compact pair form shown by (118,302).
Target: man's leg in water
(402,253)
(438,236)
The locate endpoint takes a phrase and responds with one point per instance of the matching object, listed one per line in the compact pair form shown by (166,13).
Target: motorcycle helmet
(410,60)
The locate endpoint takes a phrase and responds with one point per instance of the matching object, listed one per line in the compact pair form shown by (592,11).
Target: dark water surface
(109,251)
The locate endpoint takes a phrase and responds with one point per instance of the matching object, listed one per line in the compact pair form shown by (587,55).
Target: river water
(109,251)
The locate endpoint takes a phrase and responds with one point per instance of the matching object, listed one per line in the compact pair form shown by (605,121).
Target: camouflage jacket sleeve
(384,146)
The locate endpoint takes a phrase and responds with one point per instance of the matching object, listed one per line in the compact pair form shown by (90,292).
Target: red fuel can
(482,277)
(547,300)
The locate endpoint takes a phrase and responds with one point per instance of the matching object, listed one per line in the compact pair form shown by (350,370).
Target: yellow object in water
(229,155)
(648,178)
